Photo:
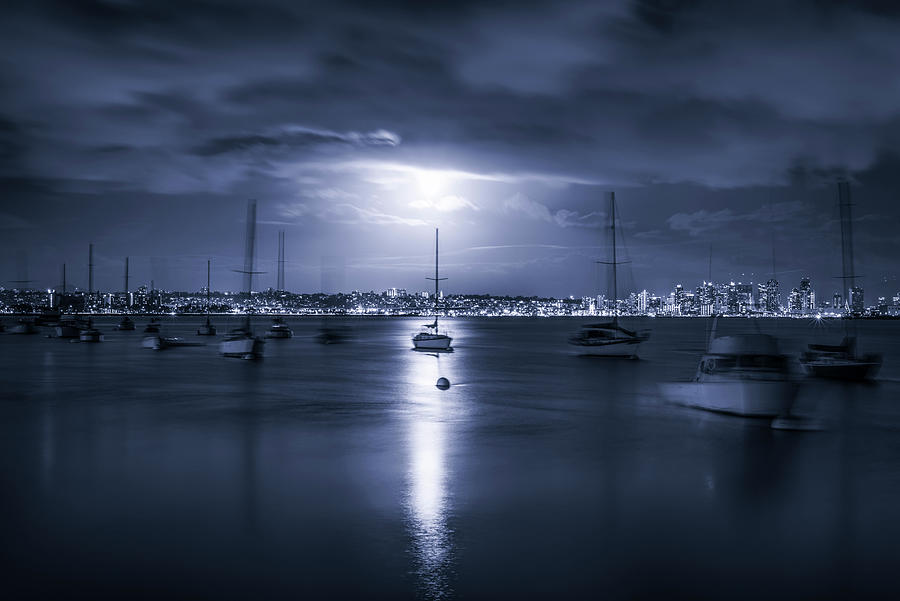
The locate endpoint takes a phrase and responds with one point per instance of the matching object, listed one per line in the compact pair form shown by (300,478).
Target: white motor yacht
(742,375)
(279,329)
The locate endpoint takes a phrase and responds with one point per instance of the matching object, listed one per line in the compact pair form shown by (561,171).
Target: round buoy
(443,383)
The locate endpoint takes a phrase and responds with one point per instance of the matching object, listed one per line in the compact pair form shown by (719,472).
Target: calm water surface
(340,471)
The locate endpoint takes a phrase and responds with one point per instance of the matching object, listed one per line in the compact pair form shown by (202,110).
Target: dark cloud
(357,124)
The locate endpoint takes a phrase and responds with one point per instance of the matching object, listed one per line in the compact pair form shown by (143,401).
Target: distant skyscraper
(856,300)
(744,297)
(643,302)
(678,300)
(795,301)
(807,296)
(771,303)
(837,301)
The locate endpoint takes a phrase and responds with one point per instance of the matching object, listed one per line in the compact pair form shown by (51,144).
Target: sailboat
(431,339)
(241,342)
(207,329)
(609,339)
(126,323)
(842,361)
(90,333)
(67,327)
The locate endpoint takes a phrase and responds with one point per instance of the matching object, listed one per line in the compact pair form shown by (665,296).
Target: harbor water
(341,471)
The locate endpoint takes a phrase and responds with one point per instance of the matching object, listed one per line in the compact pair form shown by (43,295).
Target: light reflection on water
(427,499)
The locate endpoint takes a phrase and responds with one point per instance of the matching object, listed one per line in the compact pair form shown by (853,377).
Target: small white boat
(23,326)
(242,344)
(154,342)
(741,375)
(279,329)
(430,339)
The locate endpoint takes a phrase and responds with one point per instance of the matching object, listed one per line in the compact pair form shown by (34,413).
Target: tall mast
(846,235)
(90,270)
(280,278)
(436,279)
(207,289)
(248,254)
(847,268)
(64,278)
(612,225)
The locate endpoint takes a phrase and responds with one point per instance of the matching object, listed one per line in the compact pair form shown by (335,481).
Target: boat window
(762,361)
(722,363)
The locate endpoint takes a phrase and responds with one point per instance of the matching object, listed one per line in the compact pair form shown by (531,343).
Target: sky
(359,127)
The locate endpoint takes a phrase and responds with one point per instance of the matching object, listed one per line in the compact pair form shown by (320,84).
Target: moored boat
(69,328)
(609,339)
(90,334)
(841,361)
(241,342)
(24,326)
(207,329)
(741,375)
(431,339)
(279,329)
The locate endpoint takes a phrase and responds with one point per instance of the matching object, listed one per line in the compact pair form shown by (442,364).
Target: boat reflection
(428,505)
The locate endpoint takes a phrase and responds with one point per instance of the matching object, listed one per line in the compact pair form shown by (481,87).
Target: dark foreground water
(341,471)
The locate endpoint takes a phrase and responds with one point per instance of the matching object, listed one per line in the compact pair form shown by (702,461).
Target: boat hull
(152,342)
(279,334)
(749,398)
(842,370)
(242,348)
(432,343)
(618,349)
(68,331)
(91,336)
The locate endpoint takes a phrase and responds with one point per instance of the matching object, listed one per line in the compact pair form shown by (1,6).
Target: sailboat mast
(64,278)
(846,236)
(612,213)
(207,288)
(436,288)
(847,267)
(248,253)
(90,270)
